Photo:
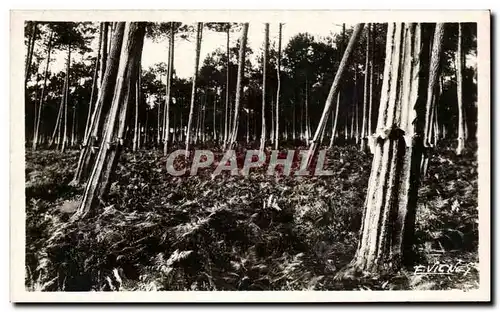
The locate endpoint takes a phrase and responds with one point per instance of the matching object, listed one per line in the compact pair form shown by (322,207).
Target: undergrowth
(260,232)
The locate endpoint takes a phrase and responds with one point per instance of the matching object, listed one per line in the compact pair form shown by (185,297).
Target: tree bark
(366,95)
(112,143)
(386,234)
(333,92)
(239,83)
(42,95)
(226,121)
(278,91)
(65,134)
(104,53)
(166,130)
(264,76)
(431,93)
(193,90)
(370,101)
(103,103)
(94,81)
(461,123)
(136,141)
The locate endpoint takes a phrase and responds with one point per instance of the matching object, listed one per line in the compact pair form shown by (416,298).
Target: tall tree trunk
(370,101)
(366,95)
(264,76)
(333,92)
(166,133)
(273,123)
(73,127)
(65,134)
(214,110)
(431,94)
(42,95)
(158,123)
(102,107)
(335,119)
(239,83)
(386,234)
(104,53)
(278,91)
(226,121)
(352,123)
(356,105)
(193,90)
(29,56)
(94,81)
(307,112)
(461,123)
(136,141)
(112,143)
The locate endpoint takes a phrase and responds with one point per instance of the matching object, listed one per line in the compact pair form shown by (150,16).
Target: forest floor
(256,232)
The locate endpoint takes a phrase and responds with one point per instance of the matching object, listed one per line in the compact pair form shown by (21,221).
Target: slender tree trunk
(366,95)
(135,144)
(65,134)
(166,134)
(461,123)
(333,92)
(370,83)
(273,123)
(278,91)
(42,95)
(214,103)
(107,157)
(334,127)
(356,105)
(386,234)
(352,123)
(307,113)
(264,76)
(193,90)
(239,83)
(104,53)
(103,103)
(226,121)
(94,81)
(29,56)
(431,94)
(73,127)
(158,127)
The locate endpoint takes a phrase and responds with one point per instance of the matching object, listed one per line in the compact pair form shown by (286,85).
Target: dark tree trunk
(166,123)
(239,84)
(278,90)
(193,90)
(95,86)
(333,92)
(112,143)
(386,235)
(264,76)
(103,104)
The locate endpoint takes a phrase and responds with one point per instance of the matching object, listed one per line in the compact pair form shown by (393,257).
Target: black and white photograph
(250,156)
